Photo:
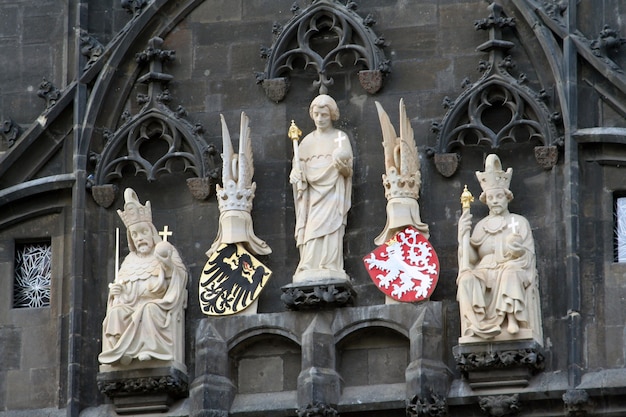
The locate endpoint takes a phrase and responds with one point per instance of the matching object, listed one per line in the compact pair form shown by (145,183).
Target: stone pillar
(212,392)
(427,376)
(319,386)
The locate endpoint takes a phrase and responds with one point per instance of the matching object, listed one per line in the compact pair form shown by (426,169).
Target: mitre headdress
(134,212)
(494,177)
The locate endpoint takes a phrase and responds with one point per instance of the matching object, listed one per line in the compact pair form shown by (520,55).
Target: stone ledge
(320,294)
(150,390)
(502,365)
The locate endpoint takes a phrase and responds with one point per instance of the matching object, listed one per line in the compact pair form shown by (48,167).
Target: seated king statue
(145,319)
(497,283)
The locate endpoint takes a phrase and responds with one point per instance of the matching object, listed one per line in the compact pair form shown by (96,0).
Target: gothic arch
(499,108)
(349,35)
(117,71)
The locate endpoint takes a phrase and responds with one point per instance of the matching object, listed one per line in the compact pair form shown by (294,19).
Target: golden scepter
(294,134)
(466,199)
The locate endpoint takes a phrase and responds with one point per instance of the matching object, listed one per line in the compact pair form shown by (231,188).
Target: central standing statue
(322,186)
(497,283)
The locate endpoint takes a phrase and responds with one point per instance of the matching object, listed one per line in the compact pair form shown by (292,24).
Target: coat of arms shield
(231,280)
(406,267)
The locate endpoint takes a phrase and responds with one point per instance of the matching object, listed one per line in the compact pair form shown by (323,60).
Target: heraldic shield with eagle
(231,280)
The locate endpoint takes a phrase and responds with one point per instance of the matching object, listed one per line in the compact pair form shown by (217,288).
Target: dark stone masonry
(100,96)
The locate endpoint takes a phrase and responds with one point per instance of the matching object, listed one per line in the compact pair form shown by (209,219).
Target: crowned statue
(321,176)
(145,319)
(497,283)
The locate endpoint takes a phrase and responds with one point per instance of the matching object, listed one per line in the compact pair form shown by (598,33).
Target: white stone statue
(322,183)
(402,178)
(235,197)
(145,317)
(497,291)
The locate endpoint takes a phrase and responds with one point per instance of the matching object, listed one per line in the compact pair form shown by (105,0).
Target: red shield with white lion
(406,267)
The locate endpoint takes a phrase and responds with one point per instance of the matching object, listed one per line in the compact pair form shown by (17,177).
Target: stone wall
(45,363)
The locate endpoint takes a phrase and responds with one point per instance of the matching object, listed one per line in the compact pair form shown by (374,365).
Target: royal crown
(494,176)
(231,197)
(401,185)
(134,212)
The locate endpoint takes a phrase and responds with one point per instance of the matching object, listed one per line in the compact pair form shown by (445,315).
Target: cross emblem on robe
(513,225)
(340,138)
(165,233)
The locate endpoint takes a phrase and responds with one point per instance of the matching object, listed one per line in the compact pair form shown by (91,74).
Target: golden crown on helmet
(134,212)
(494,176)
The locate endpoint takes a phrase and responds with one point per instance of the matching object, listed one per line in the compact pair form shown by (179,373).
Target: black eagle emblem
(231,280)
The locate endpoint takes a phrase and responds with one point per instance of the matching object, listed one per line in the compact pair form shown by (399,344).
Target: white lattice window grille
(33,274)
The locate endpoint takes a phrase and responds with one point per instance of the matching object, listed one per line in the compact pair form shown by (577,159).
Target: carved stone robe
(504,280)
(322,207)
(148,316)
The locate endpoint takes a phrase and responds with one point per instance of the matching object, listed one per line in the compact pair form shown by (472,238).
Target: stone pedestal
(326,293)
(148,390)
(499,365)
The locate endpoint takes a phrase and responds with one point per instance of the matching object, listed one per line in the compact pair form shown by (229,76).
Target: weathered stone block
(11,342)
(260,375)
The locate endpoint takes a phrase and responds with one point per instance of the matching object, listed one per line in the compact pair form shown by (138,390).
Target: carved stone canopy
(498,109)
(155,141)
(327,37)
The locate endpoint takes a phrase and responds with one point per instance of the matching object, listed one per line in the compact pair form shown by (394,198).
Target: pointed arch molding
(352,40)
(497,109)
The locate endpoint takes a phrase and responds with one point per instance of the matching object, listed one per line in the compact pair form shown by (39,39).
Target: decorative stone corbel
(48,92)
(500,405)
(318,410)
(133,7)
(90,47)
(10,132)
(318,295)
(482,365)
(144,390)
(577,403)
(432,406)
